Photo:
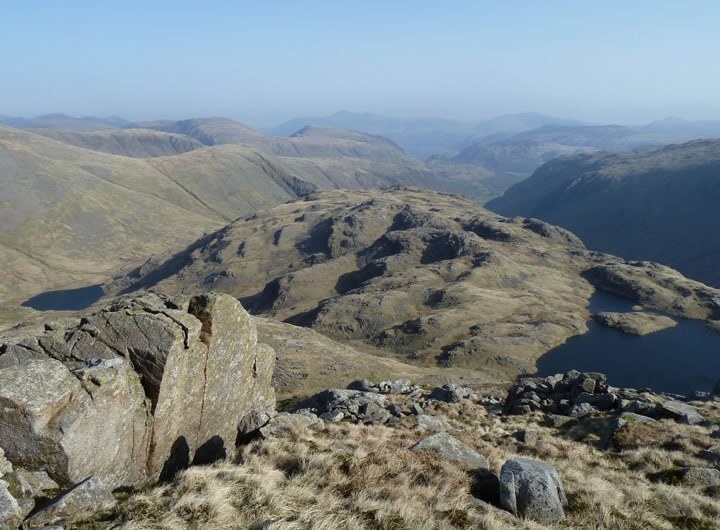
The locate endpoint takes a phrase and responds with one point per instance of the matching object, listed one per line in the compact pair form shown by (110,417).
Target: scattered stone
(700,476)
(557,420)
(362,385)
(451,448)
(81,500)
(285,423)
(427,422)
(532,490)
(715,434)
(698,395)
(712,453)
(526,436)
(627,418)
(250,425)
(333,415)
(414,408)
(580,410)
(450,393)
(679,411)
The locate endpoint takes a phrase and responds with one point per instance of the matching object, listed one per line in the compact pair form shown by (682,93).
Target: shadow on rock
(178,460)
(209,452)
(485,486)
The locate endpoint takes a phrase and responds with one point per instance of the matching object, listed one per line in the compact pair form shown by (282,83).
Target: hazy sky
(266,61)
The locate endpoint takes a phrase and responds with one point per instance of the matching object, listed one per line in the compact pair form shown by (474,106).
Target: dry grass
(359,477)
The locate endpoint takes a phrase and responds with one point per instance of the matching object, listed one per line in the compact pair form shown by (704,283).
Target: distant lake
(677,360)
(65,300)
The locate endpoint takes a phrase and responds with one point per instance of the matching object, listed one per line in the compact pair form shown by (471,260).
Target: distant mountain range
(424,137)
(658,204)
(63,121)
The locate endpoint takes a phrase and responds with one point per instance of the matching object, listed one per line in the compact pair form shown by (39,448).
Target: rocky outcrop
(656,286)
(638,323)
(133,392)
(532,490)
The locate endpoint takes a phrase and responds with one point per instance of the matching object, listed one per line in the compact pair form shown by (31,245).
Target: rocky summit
(428,278)
(133,392)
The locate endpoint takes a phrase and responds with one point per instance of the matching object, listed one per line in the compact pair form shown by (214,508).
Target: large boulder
(532,490)
(135,391)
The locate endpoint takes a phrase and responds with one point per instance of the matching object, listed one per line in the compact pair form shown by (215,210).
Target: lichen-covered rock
(533,490)
(5,464)
(451,448)
(81,500)
(10,513)
(285,423)
(73,425)
(135,391)
(29,484)
(700,476)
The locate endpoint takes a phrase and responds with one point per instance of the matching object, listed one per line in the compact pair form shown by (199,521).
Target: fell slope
(426,278)
(656,204)
(326,156)
(74,215)
(135,143)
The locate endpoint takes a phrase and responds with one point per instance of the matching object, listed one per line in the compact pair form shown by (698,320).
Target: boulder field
(133,392)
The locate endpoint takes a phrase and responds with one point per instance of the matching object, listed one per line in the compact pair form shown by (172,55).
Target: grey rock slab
(679,411)
(532,490)
(334,415)
(712,453)
(558,420)
(427,422)
(451,448)
(364,385)
(627,418)
(250,424)
(580,410)
(700,476)
(91,495)
(285,423)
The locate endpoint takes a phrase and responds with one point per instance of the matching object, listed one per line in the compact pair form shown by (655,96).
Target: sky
(264,62)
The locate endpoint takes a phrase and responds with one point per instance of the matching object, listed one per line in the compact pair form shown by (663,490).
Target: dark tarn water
(678,360)
(66,300)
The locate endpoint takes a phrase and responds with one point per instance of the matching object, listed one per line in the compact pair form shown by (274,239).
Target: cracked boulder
(135,391)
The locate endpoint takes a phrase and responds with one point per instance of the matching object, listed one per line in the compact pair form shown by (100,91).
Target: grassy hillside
(69,214)
(135,143)
(657,204)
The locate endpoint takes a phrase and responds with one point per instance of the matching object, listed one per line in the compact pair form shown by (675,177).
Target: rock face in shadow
(118,393)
